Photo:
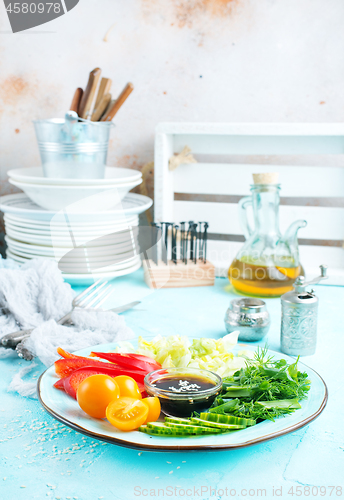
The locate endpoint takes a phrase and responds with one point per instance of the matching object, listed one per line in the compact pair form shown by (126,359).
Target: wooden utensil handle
(76,100)
(88,95)
(108,116)
(100,109)
(104,88)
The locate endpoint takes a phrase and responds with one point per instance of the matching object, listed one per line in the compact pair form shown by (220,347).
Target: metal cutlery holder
(73,149)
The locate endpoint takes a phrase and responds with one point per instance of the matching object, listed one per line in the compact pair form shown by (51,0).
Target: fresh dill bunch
(265,379)
(258,412)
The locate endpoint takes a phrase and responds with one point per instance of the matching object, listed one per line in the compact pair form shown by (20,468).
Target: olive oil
(262,281)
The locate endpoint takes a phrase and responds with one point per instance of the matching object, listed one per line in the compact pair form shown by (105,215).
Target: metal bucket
(73,149)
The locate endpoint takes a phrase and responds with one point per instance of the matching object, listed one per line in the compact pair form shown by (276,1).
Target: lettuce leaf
(205,353)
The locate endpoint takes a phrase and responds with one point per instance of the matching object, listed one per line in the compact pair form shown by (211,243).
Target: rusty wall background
(190,60)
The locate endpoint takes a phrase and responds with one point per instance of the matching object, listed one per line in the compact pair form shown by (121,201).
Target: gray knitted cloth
(35,296)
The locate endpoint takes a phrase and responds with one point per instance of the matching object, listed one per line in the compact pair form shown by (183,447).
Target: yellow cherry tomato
(126,414)
(128,387)
(154,409)
(95,393)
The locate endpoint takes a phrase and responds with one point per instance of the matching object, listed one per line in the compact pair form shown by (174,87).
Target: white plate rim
(125,264)
(52,240)
(144,203)
(56,232)
(28,223)
(13,173)
(49,249)
(102,187)
(26,255)
(109,275)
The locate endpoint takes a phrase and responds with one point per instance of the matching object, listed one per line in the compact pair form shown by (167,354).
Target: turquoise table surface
(41,458)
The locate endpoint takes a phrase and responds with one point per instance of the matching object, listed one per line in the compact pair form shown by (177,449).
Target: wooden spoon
(108,116)
(88,95)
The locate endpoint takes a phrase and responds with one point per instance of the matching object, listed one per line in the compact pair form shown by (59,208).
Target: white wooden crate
(211,190)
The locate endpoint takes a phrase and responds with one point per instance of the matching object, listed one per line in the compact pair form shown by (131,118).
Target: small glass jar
(186,399)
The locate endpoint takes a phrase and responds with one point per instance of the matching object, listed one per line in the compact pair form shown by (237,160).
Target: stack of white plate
(57,194)
(88,245)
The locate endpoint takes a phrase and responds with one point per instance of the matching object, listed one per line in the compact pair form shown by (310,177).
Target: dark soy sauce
(184,384)
(185,394)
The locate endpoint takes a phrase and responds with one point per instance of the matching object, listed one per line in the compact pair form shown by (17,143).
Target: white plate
(41,250)
(89,279)
(21,206)
(76,268)
(100,198)
(66,410)
(55,224)
(113,175)
(61,241)
(93,258)
(66,231)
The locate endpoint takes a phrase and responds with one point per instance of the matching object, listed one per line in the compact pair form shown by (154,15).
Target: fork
(93,297)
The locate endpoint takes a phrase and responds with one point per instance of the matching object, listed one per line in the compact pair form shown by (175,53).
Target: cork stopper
(268,178)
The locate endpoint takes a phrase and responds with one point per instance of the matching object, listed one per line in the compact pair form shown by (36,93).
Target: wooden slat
(302,241)
(249,129)
(257,144)
(323,223)
(295,201)
(235,179)
(312,160)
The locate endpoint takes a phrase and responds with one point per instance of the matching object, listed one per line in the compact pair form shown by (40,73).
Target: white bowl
(113,175)
(99,198)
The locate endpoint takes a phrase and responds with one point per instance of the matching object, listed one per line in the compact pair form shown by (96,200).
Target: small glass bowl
(174,404)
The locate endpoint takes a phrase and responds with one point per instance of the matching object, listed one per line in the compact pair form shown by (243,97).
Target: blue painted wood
(46,457)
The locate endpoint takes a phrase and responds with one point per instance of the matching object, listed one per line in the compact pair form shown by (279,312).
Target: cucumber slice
(193,429)
(227,419)
(166,432)
(217,425)
(185,429)
(176,420)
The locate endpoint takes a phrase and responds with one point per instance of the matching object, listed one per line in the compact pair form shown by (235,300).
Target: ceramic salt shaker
(300,317)
(250,317)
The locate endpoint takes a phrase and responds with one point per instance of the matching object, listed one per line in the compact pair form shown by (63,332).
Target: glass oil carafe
(268,263)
